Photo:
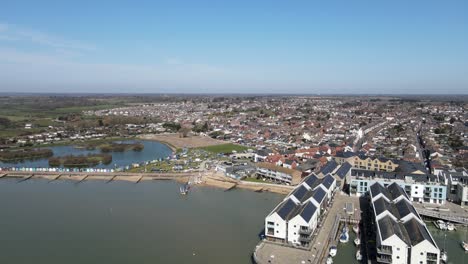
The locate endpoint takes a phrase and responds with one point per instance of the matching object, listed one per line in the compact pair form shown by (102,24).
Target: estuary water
(152,150)
(96,222)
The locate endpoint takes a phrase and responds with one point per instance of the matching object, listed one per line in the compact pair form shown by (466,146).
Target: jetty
(454,217)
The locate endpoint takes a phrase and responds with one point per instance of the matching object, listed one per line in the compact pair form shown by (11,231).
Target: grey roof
(329,167)
(417,232)
(405,208)
(381,205)
(377,188)
(308,211)
(396,191)
(389,227)
(319,195)
(343,170)
(287,209)
(346,154)
(327,181)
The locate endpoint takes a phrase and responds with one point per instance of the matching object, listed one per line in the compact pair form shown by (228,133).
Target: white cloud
(15,33)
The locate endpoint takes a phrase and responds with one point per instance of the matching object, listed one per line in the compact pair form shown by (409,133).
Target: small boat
(440,224)
(464,245)
(333,251)
(356,228)
(184,189)
(357,241)
(358,255)
(329,260)
(443,256)
(344,237)
(450,226)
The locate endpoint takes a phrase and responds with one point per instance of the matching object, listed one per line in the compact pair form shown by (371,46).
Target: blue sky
(234,46)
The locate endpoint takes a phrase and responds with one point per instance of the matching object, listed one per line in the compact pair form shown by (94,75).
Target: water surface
(94,222)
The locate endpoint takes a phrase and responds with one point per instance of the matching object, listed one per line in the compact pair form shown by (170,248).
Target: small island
(24,154)
(115,147)
(89,160)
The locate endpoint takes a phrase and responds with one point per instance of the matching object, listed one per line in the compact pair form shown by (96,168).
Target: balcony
(384,259)
(385,250)
(431,257)
(305,231)
(305,238)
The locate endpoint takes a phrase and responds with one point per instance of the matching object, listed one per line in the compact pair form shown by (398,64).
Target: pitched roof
(389,227)
(343,170)
(396,191)
(287,209)
(417,232)
(404,208)
(329,167)
(319,195)
(307,211)
(312,180)
(327,181)
(377,189)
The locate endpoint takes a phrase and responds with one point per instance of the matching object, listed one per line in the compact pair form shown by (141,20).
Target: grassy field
(253,179)
(225,148)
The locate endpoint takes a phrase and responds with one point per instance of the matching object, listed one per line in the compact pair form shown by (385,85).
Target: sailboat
(464,244)
(344,237)
(443,253)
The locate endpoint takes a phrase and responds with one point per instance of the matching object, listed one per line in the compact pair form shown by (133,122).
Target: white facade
(422,252)
(295,225)
(275,226)
(399,250)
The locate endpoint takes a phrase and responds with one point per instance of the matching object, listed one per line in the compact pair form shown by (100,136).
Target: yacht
(329,260)
(344,237)
(443,256)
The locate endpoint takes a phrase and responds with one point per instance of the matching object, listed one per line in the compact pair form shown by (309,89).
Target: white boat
(333,251)
(358,255)
(357,241)
(464,245)
(450,226)
(440,224)
(329,260)
(356,229)
(344,237)
(443,256)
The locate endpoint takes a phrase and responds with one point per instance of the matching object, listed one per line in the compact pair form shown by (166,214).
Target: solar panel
(286,209)
(318,195)
(308,211)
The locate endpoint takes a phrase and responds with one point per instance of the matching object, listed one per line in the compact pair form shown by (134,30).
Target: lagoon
(152,150)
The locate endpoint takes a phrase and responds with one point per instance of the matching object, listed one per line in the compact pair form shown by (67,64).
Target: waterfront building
(295,219)
(358,160)
(426,188)
(278,174)
(401,235)
(458,185)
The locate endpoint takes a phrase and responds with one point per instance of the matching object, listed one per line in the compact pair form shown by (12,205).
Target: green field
(225,148)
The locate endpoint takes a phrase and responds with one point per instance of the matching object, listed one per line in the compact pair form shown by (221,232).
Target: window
(271,223)
(294,225)
(398,249)
(398,257)
(294,233)
(422,253)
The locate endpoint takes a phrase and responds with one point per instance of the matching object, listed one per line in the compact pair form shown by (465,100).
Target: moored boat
(329,260)
(464,245)
(344,237)
(450,226)
(333,251)
(357,241)
(358,255)
(356,228)
(440,224)
(443,256)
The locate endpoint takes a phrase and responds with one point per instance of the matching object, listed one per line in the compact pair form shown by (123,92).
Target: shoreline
(209,181)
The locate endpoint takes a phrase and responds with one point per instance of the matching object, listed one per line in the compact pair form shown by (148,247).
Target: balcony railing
(305,238)
(304,231)
(384,259)
(384,250)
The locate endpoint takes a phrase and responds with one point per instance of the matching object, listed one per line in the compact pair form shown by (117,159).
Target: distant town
(381,164)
